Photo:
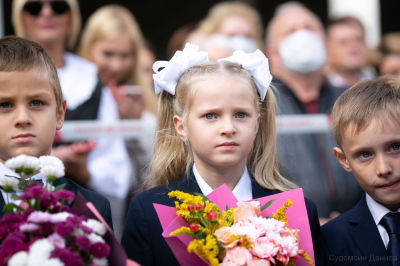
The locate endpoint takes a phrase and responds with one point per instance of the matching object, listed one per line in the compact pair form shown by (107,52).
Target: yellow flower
(182,231)
(307,258)
(205,248)
(280,214)
(244,241)
(184,200)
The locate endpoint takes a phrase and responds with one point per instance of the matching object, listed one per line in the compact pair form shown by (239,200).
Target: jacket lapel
(188,183)
(2,204)
(258,191)
(368,241)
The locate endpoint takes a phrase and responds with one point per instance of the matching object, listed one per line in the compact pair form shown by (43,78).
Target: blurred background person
(347,53)
(114,47)
(388,55)
(234,19)
(55,25)
(186,33)
(296,50)
(147,56)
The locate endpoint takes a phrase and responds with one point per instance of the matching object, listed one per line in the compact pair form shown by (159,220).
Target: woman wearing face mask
(296,50)
(234,19)
(102,166)
(114,47)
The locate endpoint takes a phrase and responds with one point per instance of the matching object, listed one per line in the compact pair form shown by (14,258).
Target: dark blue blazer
(142,237)
(353,239)
(101,203)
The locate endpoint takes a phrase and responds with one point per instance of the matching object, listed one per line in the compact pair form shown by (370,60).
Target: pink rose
(246,209)
(223,234)
(293,233)
(238,255)
(258,263)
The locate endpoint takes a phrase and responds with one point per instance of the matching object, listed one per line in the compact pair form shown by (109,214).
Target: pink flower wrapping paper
(222,196)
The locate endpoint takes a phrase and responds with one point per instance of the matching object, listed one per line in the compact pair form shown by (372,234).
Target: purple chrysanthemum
(46,229)
(65,195)
(26,213)
(57,240)
(48,199)
(100,250)
(83,242)
(18,235)
(34,190)
(69,258)
(5,255)
(14,244)
(11,218)
(64,228)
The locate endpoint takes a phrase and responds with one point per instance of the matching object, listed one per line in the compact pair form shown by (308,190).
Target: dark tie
(391,222)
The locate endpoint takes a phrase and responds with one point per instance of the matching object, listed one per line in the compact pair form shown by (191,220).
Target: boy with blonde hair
(32,108)
(366,125)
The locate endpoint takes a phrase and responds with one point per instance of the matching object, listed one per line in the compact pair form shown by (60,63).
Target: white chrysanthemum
(50,161)
(77,232)
(100,262)
(9,183)
(18,259)
(52,171)
(42,246)
(16,162)
(60,217)
(95,238)
(36,259)
(96,226)
(53,262)
(31,163)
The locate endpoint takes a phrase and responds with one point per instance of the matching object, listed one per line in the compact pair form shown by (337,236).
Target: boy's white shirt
(6,171)
(378,211)
(108,163)
(242,190)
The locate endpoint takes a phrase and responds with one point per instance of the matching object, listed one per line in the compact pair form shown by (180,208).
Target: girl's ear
(179,127)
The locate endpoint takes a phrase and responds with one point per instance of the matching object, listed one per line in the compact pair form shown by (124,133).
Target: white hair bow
(257,64)
(168,72)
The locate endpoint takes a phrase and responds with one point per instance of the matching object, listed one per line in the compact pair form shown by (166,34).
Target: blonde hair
(357,106)
(110,22)
(75,28)
(172,157)
(19,54)
(220,12)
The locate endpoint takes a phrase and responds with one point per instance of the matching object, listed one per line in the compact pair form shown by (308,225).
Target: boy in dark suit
(32,108)
(366,124)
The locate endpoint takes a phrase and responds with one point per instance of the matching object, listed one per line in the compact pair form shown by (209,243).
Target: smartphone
(134,91)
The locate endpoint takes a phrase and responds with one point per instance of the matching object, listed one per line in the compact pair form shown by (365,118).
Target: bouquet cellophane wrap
(117,254)
(223,196)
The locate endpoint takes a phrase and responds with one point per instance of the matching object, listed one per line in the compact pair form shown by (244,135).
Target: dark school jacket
(353,239)
(142,237)
(102,204)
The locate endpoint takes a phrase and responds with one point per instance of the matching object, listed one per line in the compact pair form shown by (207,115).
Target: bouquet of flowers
(219,230)
(238,236)
(42,230)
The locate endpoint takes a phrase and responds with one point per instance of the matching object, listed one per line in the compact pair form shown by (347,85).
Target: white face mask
(302,52)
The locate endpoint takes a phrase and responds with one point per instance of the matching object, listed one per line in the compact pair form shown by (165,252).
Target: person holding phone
(114,47)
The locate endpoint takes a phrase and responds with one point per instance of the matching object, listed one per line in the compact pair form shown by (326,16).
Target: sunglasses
(58,7)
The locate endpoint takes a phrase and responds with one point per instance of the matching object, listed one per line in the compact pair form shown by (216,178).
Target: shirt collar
(242,190)
(377,210)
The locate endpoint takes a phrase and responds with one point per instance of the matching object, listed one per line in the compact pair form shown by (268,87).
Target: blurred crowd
(107,76)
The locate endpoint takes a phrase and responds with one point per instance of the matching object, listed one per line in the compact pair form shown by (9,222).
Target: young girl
(216,125)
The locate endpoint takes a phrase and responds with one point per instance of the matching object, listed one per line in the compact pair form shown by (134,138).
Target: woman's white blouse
(108,163)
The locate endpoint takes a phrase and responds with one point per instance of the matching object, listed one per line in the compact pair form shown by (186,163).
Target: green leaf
(9,208)
(14,197)
(59,187)
(266,205)
(200,235)
(227,209)
(203,196)
(220,249)
(268,217)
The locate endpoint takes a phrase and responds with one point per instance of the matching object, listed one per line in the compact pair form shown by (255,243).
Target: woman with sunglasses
(55,25)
